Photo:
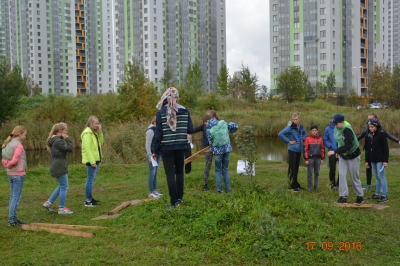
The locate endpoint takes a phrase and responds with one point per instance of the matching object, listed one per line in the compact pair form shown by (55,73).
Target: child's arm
(232,127)
(17,154)
(198,129)
(322,150)
(306,150)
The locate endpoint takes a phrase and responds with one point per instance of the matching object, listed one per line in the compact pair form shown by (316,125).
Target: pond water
(271,149)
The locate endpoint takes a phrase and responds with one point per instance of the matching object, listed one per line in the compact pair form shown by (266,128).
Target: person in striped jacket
(173,123)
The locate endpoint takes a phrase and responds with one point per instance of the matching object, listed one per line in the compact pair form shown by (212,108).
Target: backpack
(219,134)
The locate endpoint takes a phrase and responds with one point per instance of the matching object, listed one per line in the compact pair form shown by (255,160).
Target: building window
(322,22)
(297,25)
(296,46)
(275,17)
(322,11)
(323,56)
(275,39)
(275,7)
(322,33)
(275,60)
(276,28)
(297,36)
(322,45)
(296,58)
(323,67)
(333,45)
(333,34)
(275,49)
(276,71)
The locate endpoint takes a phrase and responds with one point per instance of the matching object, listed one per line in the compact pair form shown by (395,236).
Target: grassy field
(264,226)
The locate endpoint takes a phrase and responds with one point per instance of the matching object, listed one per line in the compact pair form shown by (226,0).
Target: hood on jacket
(331,125)
(51,141)
(212,123)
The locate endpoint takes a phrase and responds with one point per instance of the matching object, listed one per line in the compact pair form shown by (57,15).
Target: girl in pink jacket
(14,159)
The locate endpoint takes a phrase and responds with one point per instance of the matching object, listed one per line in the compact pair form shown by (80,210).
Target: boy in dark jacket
(313,155)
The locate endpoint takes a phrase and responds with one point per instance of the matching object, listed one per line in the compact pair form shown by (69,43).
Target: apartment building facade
(173,34)
(64,46)
(323,36)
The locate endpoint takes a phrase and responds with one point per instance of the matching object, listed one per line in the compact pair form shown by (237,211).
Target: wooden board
(103,217)
(120,207)
(57,230)
(66,226)
(197,154)
(350,205)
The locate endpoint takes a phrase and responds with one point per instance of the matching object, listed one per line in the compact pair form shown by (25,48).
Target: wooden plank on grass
(56,230)
(375,206)
(197,154)
(66,226)
(120,207)
(103,217)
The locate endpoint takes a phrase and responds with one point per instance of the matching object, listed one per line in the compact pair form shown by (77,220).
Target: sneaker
(315,188)
(205,188)
(374,196)
(219,191)
(65,210)
(157,193)
(48,206)
(16,223)
(383,199)
(333,188)
(97,201)
(366,187)
(153,195)
(91,203)
(296,189)
(359,200)
(342,200)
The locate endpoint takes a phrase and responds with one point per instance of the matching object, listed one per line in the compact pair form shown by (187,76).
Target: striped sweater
(165,138)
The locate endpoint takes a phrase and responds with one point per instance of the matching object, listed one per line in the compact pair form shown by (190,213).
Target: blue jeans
(381,183)
(221,165)
(91,177)
(60,191)
(152,179)
(16,185)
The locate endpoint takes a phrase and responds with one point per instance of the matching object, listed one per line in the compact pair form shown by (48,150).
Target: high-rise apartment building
(173,34)
(341,36)
(64,46)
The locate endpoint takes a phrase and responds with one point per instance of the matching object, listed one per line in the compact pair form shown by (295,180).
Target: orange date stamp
(341,246)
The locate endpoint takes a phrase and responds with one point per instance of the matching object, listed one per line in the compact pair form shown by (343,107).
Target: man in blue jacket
(331,144)
(293,134)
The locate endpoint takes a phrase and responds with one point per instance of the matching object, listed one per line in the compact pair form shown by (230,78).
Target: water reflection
(270,149)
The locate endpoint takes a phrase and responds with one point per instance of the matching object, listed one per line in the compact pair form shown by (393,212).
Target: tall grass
(124,143)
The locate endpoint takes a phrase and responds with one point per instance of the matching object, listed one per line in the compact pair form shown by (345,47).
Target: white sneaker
(153,195)
(157,193)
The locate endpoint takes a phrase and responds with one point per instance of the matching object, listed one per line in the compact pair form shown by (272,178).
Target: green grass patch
(269,226)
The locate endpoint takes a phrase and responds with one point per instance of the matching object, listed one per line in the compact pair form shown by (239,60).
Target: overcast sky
(247,37)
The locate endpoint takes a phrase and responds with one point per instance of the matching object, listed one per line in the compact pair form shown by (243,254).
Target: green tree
(292,83)
(167,80)
(331,82)
(193,85)
(396,81)
(137,95)
(249,83)
(12,88)
(223,80)
(310,95)
(194,77)
(380,85)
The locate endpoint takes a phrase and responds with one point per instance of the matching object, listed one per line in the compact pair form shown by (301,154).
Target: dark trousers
(332,170)
(368,171)
(188,153)
(173,162)
(293,169)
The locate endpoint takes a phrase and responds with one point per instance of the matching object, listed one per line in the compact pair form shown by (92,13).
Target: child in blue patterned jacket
(220,145)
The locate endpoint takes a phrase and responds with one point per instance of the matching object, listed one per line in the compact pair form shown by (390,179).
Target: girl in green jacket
(92,140)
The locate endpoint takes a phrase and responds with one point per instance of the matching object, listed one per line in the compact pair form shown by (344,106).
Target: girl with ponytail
(14,159)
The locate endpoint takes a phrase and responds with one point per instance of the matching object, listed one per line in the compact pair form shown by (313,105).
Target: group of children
(343,147)
(58,144)
(215,134)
